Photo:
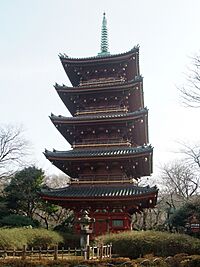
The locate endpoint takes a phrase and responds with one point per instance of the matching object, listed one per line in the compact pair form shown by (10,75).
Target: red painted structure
(108,132)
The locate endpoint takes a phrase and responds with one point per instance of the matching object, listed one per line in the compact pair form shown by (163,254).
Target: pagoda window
(117,223)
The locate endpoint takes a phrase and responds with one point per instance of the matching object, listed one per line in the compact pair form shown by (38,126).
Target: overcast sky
(34,32)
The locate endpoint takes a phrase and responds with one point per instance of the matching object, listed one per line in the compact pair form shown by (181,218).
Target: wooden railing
(102,179)
(90,252)
(102,81)
(103,109)
(99,177)
(99,142)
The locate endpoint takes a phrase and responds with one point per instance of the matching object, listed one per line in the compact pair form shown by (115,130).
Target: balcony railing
(100,142)
(102,81)
(101,109)
(103,179)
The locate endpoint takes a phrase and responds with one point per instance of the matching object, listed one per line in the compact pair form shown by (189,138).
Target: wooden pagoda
(108,133)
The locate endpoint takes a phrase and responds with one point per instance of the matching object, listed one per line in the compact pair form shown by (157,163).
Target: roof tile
(100,116)
(99,191)
(98,152)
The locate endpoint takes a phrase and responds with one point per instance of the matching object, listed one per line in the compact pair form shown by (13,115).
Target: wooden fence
(90,252)
(98,252)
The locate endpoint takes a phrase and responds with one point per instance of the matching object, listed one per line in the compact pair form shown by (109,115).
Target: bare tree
(190,93)
(13,148)
(191,154)
(180,182)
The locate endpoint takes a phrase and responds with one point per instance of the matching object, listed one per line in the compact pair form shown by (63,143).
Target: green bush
(17,237)
(134,244)
(43,238)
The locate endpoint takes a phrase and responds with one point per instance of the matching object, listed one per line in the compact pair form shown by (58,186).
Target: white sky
(34,32)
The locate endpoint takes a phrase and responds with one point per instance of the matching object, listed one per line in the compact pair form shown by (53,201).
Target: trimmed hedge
(17,237)
(134,244)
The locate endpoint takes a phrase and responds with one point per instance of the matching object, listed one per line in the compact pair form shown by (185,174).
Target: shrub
(43,238)
(17,237)
(9,238)
(136,244)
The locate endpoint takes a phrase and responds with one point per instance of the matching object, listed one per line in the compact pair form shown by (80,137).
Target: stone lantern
(85,222)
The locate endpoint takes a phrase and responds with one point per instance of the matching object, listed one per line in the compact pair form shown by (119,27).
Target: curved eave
(98,59)
(84,89)
(98,118)
(96,194)
(118,153)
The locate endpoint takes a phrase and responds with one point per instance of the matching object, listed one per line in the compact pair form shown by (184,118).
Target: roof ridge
(134,49)
(85,151)
(102,115)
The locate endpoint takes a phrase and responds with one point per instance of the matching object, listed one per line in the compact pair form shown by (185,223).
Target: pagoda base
(110,206)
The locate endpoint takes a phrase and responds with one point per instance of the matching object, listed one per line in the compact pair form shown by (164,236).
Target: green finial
(104,37)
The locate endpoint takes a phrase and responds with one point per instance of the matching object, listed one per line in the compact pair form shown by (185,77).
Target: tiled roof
(101,116)
(99,191)
(122,151)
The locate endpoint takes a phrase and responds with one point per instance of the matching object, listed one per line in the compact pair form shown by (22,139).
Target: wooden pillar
(24,252)
(55,252)
(40,253)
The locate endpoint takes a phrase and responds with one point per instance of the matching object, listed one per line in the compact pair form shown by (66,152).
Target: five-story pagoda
(108,132)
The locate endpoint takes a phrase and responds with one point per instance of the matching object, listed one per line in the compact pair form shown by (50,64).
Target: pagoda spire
(104,37)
